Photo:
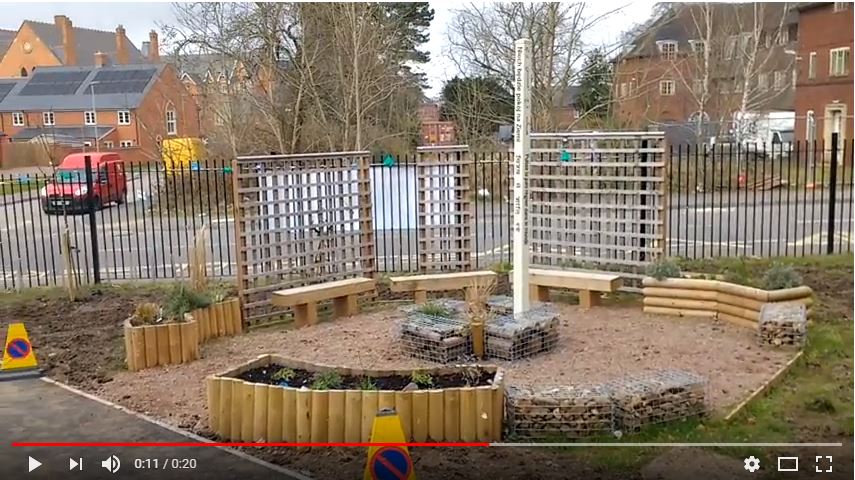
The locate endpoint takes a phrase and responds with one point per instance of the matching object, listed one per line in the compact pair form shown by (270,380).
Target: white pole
(522,146)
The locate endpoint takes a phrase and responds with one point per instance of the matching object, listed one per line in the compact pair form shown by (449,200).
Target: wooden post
(335,432)
(588,299)
(228,325)
(539,293)
(345,306)
(522,148)
(484,412)
(247,400)
(174,331)
(385,399)
(150,333)
(259,413)
(352,416)
(225,420)
(498,411)
(370,402)
(213,403)
(420,415)
(306,314)
(138,343)
(452,415)
(237,409)
(290,413)
(420,297)
(162,345)
(219,310)
(468,420)
(320,416)
(188,341)
(436,415)
(304,416)
(274,414)
(129,348)
(404,407)
(237,317)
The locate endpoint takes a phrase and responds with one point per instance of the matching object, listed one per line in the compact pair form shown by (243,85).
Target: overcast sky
(139,18)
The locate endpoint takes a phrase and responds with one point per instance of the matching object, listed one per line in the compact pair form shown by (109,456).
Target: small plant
(147,313)
(326,381)
(738,273)
(503,267)
(183,300)
(664,268)
(422,379)
(781,276)
(367,383)
(435,310)
(471,375)
(283,375)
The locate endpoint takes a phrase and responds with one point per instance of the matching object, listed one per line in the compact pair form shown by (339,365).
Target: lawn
(14,187)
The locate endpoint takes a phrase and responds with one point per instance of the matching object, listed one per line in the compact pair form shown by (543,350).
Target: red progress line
(247,444)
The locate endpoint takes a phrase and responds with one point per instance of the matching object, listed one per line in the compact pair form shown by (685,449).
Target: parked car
(68,192)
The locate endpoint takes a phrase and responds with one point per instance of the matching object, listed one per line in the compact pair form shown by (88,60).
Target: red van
(67,192)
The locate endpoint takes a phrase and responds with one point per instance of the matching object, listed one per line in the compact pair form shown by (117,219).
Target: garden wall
(716,299)
(244,411)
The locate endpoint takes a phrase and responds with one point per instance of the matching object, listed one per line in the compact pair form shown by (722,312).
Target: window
(126,143)
(768,40)
(89,117)
(795,76)
(838,62)
(666,87)
(171,123)
(783,37)
(840,6)
(812,65)
(730,48)
(18,119)
(623,90)
(109,144)
(124,117)
(668,49)
(763,82)
(698,46)
(47,118)
(780,81)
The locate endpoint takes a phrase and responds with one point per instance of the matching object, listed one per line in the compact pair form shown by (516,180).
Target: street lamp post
(95,115)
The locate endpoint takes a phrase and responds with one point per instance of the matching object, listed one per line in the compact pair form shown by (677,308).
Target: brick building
(435,132)
(128,108)
(824,87)
(677,70)
(38,44)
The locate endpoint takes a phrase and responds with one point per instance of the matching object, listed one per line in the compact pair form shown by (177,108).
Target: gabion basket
(560,412)
(656,397)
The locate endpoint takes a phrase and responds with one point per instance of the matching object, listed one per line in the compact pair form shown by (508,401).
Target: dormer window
(667,48)
(698,46)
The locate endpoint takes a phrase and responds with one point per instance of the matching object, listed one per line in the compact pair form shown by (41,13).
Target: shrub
(283,375)
(326,381)
(147,313)
(422,379)
(781,276)
(367,383)
(435,310)
(664,268)
(183,300)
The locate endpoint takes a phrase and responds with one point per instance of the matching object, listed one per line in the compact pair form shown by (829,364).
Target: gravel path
(594,346)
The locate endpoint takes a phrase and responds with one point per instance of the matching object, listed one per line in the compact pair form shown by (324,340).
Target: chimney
(144,49)
(121,46)
(153,47)
(69,45)
(100,59)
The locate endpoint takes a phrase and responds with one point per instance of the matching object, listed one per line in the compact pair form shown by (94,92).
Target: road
(144,239)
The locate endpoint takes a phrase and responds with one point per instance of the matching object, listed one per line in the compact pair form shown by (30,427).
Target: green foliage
(502,267)
(477,105)
(738,274)
(410,22)
(422,379)
(367,383)
(780,276)
(283,375)
(664,268)
(435,310)
(181,300)
(594,92)
(326,381)
(146,313)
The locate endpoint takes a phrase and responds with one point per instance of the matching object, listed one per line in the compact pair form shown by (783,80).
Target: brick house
(824,87)
(677,71)
(128,108)
(38,44)
(433,131)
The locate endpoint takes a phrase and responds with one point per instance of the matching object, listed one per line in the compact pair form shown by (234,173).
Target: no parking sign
(390,463)
(385,461)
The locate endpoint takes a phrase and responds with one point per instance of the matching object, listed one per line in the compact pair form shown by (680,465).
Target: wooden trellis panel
(300,219)
(597,201)
(445,209)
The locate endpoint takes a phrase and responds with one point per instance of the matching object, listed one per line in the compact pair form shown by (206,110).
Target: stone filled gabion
(513,337)
(782,324)
(559,412)
(434,338)
(656,397)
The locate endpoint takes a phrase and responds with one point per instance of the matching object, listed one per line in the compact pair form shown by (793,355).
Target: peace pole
(522,145)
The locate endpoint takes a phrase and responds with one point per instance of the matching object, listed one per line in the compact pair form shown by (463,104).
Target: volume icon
(112,464)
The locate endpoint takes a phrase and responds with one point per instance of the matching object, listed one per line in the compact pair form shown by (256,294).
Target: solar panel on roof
(54,83)
(5,88)
(123,81)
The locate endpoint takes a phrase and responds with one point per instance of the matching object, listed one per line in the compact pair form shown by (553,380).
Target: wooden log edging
(734,303)
(300,415)
(175,343)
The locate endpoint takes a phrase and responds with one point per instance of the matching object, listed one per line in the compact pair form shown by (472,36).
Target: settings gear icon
(752,464)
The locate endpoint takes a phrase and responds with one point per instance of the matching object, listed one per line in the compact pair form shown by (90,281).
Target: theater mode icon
(788,464)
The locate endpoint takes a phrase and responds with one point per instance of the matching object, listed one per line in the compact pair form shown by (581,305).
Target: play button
(33,464)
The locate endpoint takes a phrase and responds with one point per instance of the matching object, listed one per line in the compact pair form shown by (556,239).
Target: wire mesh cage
(657,396)
(568,412)
(437,331)
(512,337)
(782,324)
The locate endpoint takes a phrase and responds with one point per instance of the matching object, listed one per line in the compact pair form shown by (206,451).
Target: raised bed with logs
(737,304)
(244,406)
(174,343)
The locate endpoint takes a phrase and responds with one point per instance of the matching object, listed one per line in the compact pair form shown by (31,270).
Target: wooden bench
(305,299)
(421,284)
(589,284)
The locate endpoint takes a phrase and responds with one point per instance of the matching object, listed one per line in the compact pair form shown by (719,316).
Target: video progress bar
(668,445)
